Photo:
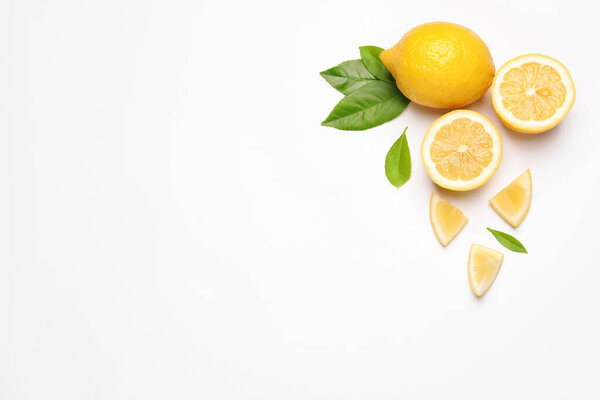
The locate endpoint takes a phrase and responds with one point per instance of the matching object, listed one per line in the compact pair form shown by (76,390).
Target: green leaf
(508,241)
(397,162)
(370,56)
(348,76)
(367,107)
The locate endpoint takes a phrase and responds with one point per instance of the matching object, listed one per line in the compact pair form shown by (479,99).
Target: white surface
(177,225)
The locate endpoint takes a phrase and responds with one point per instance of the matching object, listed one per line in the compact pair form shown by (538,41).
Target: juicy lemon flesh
(461,150)
(440,65)
(484,264)
(450,218)
(447,220)
(532,91)
(512,203)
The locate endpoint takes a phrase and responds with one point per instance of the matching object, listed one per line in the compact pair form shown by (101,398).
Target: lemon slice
(446,220)
(513,202)
(461,150)
(532,93)
(484,265)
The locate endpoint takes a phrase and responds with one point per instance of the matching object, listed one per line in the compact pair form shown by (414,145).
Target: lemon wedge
(513,202)
(532,93)
(446,220)
(484,265)
(461,150)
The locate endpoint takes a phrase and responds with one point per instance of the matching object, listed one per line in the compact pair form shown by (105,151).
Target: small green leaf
(370,56)
(397,162)
(367,107)
(508,241)
(348,76)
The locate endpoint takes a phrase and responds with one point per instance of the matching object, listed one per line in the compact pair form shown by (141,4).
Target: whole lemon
(441,65)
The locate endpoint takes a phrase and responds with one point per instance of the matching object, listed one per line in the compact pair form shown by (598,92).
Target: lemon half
(461,150)
(532,93)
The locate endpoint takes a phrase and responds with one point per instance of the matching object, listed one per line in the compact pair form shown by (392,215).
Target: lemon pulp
(461,149)
(532,91)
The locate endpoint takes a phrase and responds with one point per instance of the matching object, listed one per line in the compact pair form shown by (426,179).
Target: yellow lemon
(532,93)
(484,265)
(446,219)
(441,65)
(461,150)
(513,202)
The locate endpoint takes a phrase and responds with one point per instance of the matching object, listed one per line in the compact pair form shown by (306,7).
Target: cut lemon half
(513,202)
(484,265)
(446,220)
(532,93)
(461,150)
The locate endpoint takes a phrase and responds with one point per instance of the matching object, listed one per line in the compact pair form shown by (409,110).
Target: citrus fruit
(484,265)
(441,65)
(532,93)
(512,203)
(461,150)
(446,220)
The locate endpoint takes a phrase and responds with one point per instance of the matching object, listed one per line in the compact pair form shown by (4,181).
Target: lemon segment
(532,93)
(461,150)
(441,65)
(484,265)
(513,202)
(447,220)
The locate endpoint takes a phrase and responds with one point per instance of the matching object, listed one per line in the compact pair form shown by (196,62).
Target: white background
(175,223)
